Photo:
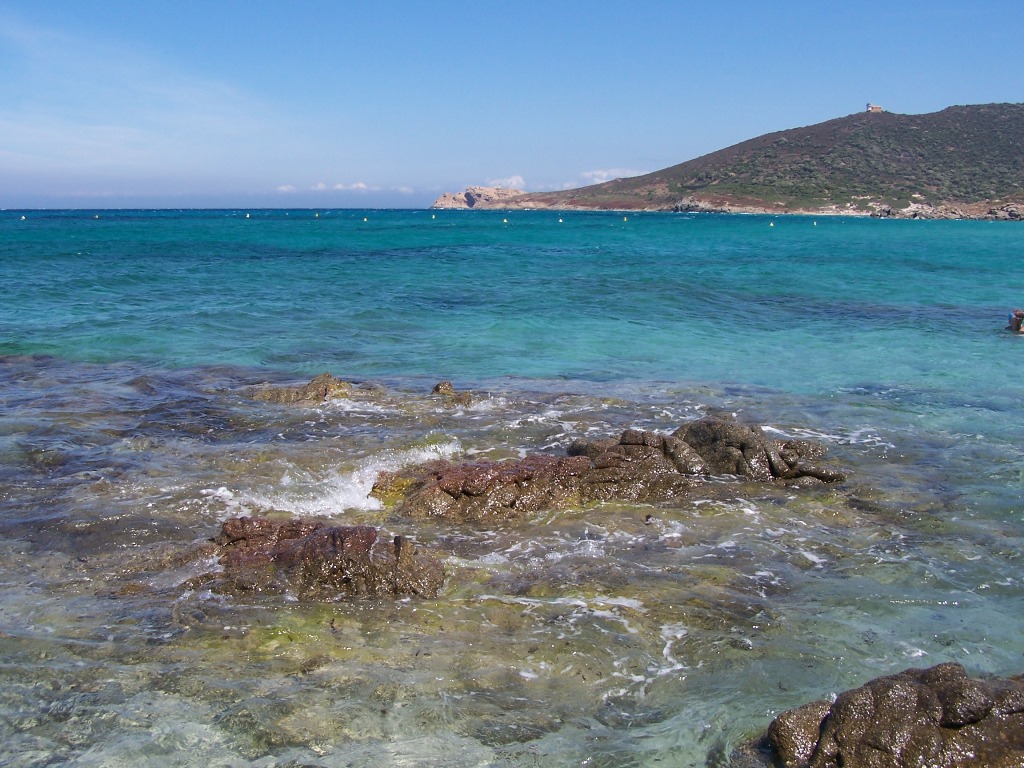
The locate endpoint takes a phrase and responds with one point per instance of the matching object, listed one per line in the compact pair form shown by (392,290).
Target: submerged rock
(937,717)
(639,466)
(321,562)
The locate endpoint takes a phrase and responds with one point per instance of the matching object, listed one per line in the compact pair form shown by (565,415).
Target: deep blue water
(127,336)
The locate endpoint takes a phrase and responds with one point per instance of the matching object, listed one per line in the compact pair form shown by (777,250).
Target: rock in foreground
(639,466)
(319,562)
(937,717)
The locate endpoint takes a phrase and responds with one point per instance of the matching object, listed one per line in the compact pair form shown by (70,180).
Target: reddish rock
(320,562)
(639,466)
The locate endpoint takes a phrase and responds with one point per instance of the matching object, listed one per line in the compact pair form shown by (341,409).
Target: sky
(346,103)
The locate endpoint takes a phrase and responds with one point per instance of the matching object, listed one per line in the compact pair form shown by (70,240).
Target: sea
(613,634)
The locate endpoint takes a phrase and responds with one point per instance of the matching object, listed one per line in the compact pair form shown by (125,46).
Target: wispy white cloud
(512,182)
(599,176)
(356,186)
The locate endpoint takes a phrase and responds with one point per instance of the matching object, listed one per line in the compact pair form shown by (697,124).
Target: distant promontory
(961,162)
(478,197)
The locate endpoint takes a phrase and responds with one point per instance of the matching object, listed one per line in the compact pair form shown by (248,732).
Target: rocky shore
(495,198)
(313,560)
(939,717)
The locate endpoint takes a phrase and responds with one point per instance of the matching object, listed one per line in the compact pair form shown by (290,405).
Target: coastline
(500,198)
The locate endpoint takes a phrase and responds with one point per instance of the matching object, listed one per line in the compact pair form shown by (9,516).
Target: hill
(964,160)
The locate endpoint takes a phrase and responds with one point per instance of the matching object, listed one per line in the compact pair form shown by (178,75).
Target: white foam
(816,559)
(671,634)
(300,493)
(344,405)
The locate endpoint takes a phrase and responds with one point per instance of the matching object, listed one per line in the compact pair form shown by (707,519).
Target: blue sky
(314,103)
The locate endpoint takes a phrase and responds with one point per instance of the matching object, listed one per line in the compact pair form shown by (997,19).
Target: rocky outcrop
(1008,212)
(937,717)
(919,211)
(693,205)
(489,490)
(731,448)
(320,389)
(315,561)
(638,466)
(477,197)
(451,396)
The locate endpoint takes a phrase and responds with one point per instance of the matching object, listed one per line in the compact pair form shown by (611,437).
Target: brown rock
(937,717)
(321,562)
(639,466)
(795,733)
(501,490)
(731,448)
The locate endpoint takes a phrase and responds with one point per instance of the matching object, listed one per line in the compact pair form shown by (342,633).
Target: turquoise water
(798,304)
(588,637)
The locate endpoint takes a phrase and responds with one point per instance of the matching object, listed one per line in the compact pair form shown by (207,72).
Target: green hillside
(966,155)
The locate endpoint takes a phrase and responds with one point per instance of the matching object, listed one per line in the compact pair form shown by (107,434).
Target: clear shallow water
(593,636)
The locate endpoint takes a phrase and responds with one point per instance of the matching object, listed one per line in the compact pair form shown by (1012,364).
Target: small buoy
(22,218)
(247,215)
(364,218)
(815,223)
(316,215)
(625,219)
(771,223)
(433,216)
(504,221)
(96,216)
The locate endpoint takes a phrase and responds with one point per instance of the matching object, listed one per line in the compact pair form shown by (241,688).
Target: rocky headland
(478,197)
(492,198)
(963,162)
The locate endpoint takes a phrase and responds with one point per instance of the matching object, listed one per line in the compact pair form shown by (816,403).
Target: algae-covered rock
(320,389)
(452,396)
